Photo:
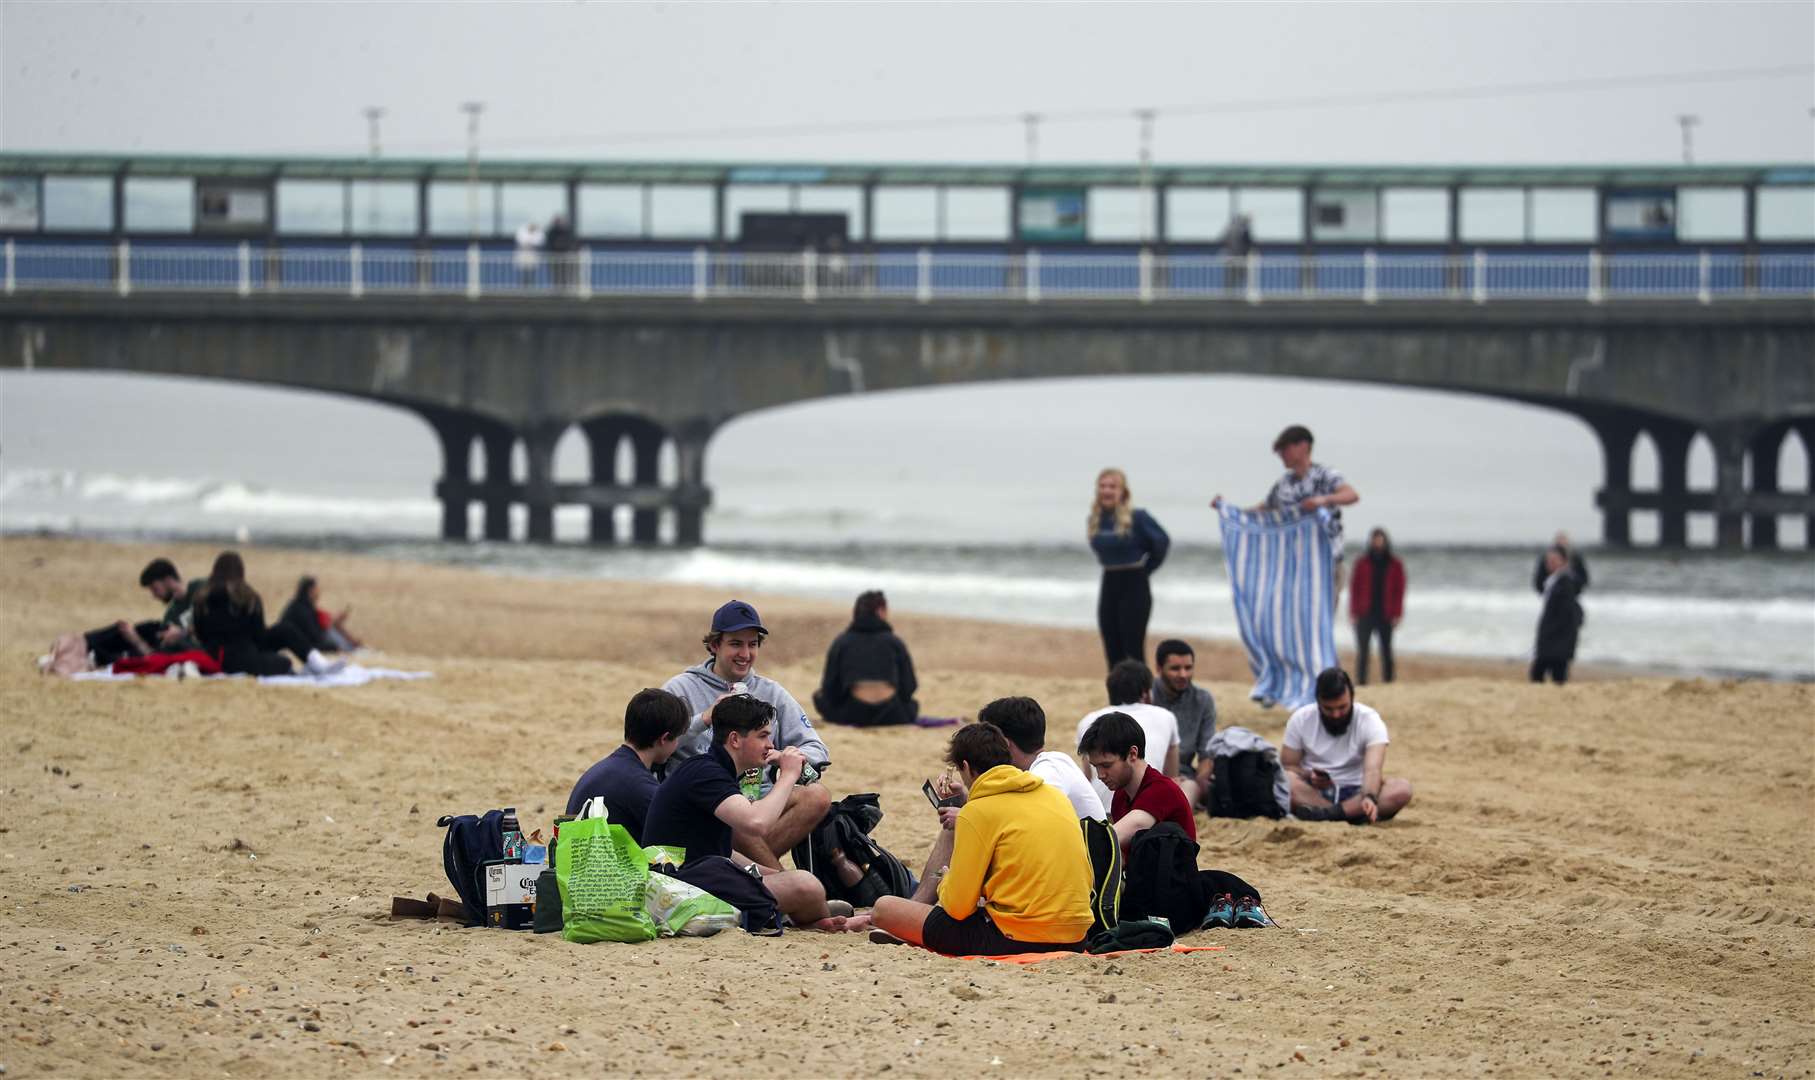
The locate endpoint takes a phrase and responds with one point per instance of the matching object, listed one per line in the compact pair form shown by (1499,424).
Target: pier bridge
(1639,324)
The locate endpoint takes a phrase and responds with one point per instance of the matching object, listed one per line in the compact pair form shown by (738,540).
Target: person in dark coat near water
(869,678)
(1376,603)
(1560,622)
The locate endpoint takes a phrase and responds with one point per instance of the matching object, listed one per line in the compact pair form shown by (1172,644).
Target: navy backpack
(471,842)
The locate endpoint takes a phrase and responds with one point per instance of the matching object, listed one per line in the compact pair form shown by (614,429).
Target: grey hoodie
(699,686)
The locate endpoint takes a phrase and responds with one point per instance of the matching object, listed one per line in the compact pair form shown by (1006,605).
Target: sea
(967,501)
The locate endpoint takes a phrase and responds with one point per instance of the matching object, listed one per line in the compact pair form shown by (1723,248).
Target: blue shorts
(1340,794)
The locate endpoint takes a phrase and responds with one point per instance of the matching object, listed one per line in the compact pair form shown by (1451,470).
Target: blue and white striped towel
(1281,574)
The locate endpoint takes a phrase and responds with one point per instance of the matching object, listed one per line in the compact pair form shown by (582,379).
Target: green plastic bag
(604,878)
(683,910)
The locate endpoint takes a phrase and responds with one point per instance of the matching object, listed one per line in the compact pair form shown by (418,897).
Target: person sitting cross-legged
(700,805)
(1019,879)
(1335,757)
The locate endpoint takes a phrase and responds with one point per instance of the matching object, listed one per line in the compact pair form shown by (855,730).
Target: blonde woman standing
(1130,545)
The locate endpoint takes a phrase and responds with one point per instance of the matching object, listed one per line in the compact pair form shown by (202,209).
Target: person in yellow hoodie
(1019,879)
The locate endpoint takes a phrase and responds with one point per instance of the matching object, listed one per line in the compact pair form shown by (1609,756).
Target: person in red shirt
(1376,603)
(1141,797)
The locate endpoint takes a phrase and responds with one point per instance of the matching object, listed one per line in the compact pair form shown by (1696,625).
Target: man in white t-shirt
(1335,758)
(1024,723)
(1130,687)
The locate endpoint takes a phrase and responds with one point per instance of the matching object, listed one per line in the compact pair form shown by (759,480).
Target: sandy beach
(1611,878)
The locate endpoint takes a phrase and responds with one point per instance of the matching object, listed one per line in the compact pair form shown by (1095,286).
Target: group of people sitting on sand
(212,625)
(725,765)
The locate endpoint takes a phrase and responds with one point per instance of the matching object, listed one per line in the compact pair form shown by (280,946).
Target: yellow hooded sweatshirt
(1017,846)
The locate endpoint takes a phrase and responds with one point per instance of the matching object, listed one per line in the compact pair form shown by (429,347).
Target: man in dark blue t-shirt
(653,724)
(700,806)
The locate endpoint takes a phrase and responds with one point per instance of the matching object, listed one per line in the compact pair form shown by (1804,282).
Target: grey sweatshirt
(1196,712)
(699,686)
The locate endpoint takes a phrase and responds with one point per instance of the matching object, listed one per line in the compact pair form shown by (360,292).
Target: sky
(859,82)
(671,80)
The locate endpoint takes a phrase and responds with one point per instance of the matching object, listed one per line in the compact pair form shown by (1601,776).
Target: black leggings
(1365,629)
(1556,667)
(1123,605)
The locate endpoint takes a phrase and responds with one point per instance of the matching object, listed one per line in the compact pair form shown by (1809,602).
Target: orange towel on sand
(1036,957)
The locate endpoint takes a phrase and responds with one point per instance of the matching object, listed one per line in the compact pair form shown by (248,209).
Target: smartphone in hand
(932,796)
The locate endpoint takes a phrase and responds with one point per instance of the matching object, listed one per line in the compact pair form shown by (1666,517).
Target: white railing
(920,276)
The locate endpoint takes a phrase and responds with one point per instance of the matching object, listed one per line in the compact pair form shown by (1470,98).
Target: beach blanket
(1283,583)
(351,675)
(1036,957)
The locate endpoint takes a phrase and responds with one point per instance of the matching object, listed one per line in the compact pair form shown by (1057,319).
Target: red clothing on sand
(156,663)
(1361,588)
(1160,796)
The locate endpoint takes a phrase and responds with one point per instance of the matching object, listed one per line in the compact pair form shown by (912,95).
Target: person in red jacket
(1376,603)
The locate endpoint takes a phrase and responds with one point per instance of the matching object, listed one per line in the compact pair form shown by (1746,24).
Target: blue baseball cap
(737,615)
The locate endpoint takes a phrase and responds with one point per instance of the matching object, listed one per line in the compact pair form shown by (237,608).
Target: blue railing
(925,275)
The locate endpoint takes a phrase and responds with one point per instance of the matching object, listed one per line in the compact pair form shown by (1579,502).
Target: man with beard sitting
(1335,757)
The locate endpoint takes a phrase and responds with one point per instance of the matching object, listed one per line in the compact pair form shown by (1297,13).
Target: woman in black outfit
(230,623)
(1130,545)
(869,677)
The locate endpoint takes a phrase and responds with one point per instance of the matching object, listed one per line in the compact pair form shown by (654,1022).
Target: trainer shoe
(1319,813)
(1248,914)
(1221,913)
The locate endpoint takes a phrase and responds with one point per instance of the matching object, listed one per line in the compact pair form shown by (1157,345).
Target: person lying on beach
(170,633)
(1335,755)
(700,807)
(1130,687)
(322,631)
(1019,876)
(869,676)
(732,642)
(1115,746)
(625,778)
(1023,723)
(230,625)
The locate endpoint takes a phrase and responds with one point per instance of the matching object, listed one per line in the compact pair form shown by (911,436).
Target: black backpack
(1242,786)
(1163,879)
(471,842)
(847,827)
(1105,875)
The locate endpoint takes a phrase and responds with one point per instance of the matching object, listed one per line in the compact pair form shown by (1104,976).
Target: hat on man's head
(737,615)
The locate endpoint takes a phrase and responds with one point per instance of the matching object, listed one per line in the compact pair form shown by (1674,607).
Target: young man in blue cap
(732,643)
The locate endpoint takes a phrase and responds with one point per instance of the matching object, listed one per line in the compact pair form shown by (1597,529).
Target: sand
(1604,879)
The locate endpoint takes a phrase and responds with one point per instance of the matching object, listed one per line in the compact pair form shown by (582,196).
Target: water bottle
(513,834)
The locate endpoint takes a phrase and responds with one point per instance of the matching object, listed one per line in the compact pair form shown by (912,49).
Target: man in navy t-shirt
(1141,796)
(700,806)
(653,724)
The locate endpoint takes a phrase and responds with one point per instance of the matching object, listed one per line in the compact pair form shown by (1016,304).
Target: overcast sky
(660,81)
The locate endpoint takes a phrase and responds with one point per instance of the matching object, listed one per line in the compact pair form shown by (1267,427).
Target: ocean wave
(238,499)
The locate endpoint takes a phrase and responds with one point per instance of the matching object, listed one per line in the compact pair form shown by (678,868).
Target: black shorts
(977,936)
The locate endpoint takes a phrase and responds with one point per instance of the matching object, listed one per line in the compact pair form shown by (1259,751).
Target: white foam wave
(237,500)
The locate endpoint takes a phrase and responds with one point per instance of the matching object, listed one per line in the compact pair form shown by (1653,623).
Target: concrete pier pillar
(1731,441)
(693,495)
(603,437)
(539,492)
(499,441)
(1617,435)
(1806,430)
(1766,444)
(456,435)
(646,525)
(1673,439)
